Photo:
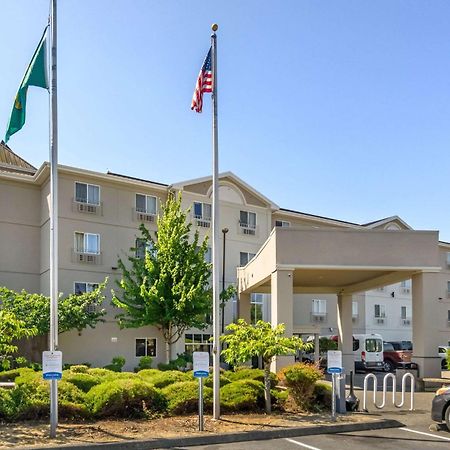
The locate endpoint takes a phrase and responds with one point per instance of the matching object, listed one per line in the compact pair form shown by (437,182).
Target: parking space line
(302,445)
(426,434)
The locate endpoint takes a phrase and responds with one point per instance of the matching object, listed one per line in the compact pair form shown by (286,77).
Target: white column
(427,323)
(345,331)
(282,310)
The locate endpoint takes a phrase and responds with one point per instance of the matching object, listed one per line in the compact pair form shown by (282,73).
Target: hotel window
(202,211)
(87,243)
(197,342)
(256,311)
(245,258)
(282,223)
(247,222)
(145,347)
(143,246)
(146,204)
(81,287)
(448,259)
(319,307)
(354,310)
(87,193)
(380,311)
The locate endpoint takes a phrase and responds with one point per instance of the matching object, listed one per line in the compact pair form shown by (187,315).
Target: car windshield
(388,347)
(374,345)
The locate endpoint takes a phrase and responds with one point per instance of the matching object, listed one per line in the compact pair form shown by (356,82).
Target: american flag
(204,84)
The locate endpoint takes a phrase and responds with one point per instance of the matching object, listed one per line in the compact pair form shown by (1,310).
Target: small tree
(11,329)
(246,341)
(74,311)
(170,287)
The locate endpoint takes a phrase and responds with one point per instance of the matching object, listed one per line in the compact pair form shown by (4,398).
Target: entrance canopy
(341,261)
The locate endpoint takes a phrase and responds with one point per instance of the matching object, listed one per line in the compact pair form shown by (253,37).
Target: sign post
(334,366)
(52,365)
(201,370)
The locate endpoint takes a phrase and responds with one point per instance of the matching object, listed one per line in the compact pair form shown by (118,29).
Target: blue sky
(335,108)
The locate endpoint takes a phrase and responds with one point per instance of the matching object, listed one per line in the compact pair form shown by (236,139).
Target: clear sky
(336,108)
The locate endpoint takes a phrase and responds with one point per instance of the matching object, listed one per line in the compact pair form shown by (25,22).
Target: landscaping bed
(36,433)
(103,405)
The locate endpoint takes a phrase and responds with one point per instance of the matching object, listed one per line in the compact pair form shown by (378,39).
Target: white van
(368,350)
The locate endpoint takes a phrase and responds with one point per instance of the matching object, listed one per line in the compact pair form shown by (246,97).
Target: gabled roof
(222,176)
(386,220)
(10,162)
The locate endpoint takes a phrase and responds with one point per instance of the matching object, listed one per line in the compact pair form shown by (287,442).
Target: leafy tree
(246,341)
(11,329)
(74,311)
(169,288)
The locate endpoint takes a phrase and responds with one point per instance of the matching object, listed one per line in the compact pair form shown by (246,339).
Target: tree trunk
(168,352)
(267,387)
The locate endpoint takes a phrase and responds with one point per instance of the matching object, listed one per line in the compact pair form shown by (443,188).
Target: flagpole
(215,220)
(53,216)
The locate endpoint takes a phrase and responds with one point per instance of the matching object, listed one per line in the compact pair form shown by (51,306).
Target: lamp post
(222,305)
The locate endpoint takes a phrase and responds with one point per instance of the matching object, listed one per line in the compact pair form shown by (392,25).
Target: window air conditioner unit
(87,258)
(205,223)
(380,320)
(406,322)
(145,217)
(87,208)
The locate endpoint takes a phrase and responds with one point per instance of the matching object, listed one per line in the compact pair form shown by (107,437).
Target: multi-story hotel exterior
(99,216)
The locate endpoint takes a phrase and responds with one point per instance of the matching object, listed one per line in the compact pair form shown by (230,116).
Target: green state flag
(36,75)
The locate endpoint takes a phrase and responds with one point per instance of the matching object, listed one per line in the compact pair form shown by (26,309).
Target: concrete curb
(227,438)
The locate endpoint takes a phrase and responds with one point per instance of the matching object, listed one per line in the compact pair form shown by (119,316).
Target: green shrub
(245,373)
(209,380)
(83,381)
(116,365)
(279,398)
(244,395)
(162,379)
(70,410)
(448,359)
(182,397)
(79,368)
(124,398)
(300,379)
(11,375)
(21,361)
(145,362)
(100,372)
(322,395)
(7,406)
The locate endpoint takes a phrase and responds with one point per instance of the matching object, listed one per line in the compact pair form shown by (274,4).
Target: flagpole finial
(214,27)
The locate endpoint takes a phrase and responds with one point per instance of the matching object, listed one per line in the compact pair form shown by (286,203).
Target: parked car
(443,354)
(395,353)
(440,407)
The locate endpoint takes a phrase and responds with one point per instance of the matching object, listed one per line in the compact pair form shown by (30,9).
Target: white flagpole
(53,216)
(215,221)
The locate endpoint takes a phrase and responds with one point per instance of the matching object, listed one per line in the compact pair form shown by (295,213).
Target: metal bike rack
(385,382)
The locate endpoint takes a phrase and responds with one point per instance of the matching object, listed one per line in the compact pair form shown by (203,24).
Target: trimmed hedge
(251,374)
(209,380)
(125,398)
(161,379)
(182,397)
(82,381)
(244,395)
(323,394)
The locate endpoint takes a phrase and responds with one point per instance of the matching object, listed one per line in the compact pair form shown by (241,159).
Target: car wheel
(443,364)
(388,366)
(447,417)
